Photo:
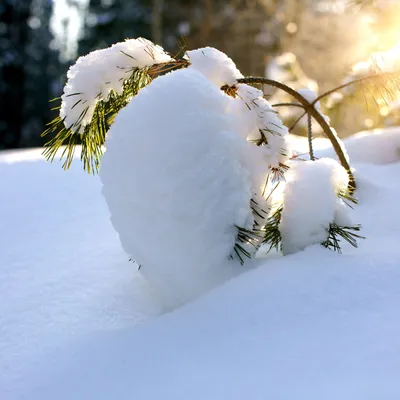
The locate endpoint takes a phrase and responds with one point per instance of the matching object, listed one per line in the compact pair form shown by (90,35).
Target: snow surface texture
(313,325)
(177,217)
(63,273)
(93,76)
(306,216)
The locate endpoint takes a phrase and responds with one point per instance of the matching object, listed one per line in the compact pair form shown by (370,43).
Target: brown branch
(309,107)
(287,105)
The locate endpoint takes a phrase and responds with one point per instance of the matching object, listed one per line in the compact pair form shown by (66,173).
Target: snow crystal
(310,202)
(214,65)
(93,76)
(177,181)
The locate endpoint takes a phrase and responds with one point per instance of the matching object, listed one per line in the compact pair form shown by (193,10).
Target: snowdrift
(77,321)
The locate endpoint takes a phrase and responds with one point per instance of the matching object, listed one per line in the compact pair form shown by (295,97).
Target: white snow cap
(214,65)
(93,76)
(176,182)
(311,203)
(309,95)
(265,119)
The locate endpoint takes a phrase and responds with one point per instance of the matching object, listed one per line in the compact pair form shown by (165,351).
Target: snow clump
(95,75)
(311,203)
(267,123)
(177,181)
(215,65)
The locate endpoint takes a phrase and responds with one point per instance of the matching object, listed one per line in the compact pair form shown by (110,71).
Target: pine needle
(271,233)
(347,233)
(93,136)
(245,239)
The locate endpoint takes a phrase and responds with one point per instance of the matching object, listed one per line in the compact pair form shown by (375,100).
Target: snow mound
(178,187)
(311,202)
(63,273)
(215,65)
(93,77)
(379,146)
(313,325)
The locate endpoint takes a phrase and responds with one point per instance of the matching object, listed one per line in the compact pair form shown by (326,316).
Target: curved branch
(309,107)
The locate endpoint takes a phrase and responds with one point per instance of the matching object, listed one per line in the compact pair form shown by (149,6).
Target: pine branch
(271,233)
(310,108)
(93,136)
(347,233)
(348,198)
(245,239)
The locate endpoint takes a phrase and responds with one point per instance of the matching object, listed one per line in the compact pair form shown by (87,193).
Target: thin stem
(310,146)
(356,81)
(287,105)
(297,121)
(316,115)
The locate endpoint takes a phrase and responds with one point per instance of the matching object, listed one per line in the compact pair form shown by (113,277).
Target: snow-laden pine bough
(198,174)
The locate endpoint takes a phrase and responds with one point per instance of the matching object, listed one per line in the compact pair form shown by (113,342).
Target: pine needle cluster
(336,233)
(93,137)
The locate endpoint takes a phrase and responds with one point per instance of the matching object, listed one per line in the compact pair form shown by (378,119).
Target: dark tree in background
(33,64)
(14,34)
(29,71)
(43,73)
(111,21)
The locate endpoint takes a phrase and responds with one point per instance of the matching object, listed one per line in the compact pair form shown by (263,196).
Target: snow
(195,187)
(266,121)
(63,274)
(306,216)
(95,75)
(77,321)
(214,65)
(309,95)
(377,146)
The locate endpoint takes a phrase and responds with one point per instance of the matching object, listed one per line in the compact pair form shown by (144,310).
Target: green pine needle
(271,233)
(347,233)
(93,137)
(347,198)
(244,239)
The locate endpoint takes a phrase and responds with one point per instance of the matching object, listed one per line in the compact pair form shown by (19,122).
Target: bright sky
(66,24)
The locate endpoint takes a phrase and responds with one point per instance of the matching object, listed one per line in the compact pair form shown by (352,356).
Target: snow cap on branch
(215,65)
(95,75)
(311,202)
(267,126)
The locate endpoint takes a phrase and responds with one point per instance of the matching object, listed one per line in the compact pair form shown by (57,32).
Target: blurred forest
(306,43)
